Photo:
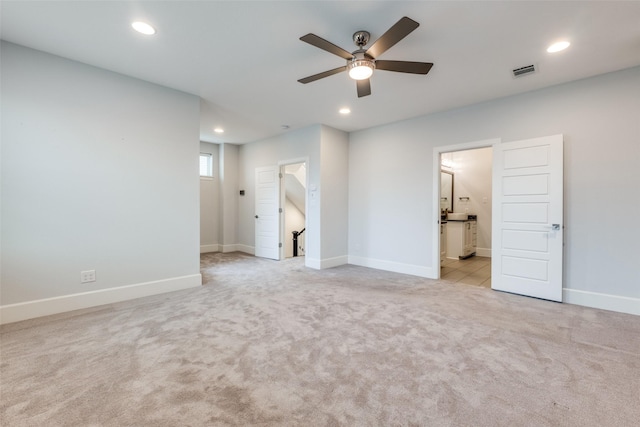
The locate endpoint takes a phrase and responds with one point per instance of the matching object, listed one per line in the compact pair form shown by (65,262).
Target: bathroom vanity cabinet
(462,238)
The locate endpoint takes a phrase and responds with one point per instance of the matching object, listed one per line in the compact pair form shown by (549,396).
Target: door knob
(256,216)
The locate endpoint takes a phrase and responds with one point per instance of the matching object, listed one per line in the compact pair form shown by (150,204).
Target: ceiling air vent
(523,71)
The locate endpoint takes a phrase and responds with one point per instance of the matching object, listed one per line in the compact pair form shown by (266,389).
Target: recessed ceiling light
(143,27)
(557,47)
(218,130)
(344,110)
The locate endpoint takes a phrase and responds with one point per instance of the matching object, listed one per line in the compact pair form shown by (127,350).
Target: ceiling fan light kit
(361,69)
(361,63)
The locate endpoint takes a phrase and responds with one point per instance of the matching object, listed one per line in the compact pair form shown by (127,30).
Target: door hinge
(280,210)
(279,245)
(280,175)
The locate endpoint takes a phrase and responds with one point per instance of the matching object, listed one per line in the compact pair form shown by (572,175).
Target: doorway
(294,209)
(527,218)
(280,209)
(466,215)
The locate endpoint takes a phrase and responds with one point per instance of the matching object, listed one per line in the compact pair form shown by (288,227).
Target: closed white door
(527,229)
(267,212)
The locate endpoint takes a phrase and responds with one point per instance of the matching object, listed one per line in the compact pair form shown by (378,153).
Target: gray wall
(300,145)
(99,171)
(390,179)
(334,155)
(326,151)
(228,225)
(210,202)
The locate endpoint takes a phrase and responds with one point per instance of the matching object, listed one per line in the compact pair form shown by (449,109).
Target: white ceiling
(244,58)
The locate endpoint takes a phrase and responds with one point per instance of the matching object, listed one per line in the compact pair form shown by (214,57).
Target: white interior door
(267,212)
(527,229)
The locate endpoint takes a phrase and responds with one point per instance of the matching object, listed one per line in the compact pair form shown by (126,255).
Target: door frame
(281,167)
(437,151)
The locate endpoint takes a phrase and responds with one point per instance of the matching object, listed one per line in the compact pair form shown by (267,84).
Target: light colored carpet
(274,343)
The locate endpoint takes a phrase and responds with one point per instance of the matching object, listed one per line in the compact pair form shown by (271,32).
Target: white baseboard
(397,267)
(209,248)
(485,252)
(334,262)
(312,262)
(602,301)
(45,307)
(320,264)
(228,248)
(246,249)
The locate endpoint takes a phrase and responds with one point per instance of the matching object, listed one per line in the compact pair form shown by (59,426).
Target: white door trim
(437,151)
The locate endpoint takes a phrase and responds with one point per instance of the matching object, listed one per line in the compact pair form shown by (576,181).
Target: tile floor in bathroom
(474,271)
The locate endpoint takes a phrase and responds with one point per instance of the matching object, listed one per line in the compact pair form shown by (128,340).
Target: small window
(206,167)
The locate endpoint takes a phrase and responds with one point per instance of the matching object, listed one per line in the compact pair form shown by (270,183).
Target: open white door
(527,229)
(267,212)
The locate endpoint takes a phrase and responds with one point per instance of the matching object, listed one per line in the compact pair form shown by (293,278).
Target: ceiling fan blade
(323,75)
(321,43)
(404,66)
(364,87)
(397,32)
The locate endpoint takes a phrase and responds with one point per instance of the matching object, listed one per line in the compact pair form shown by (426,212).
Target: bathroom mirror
(446,191)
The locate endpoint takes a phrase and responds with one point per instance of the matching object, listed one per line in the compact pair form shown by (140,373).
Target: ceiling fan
(361,62)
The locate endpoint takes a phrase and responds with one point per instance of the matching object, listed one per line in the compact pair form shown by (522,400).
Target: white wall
(390,223)
(293,145)
(472,178)
(390,181)
(326,150)
(210,202)
(229,193)
(335,196)
(99,171)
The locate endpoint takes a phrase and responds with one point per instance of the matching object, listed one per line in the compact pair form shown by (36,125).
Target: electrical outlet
(87,276)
